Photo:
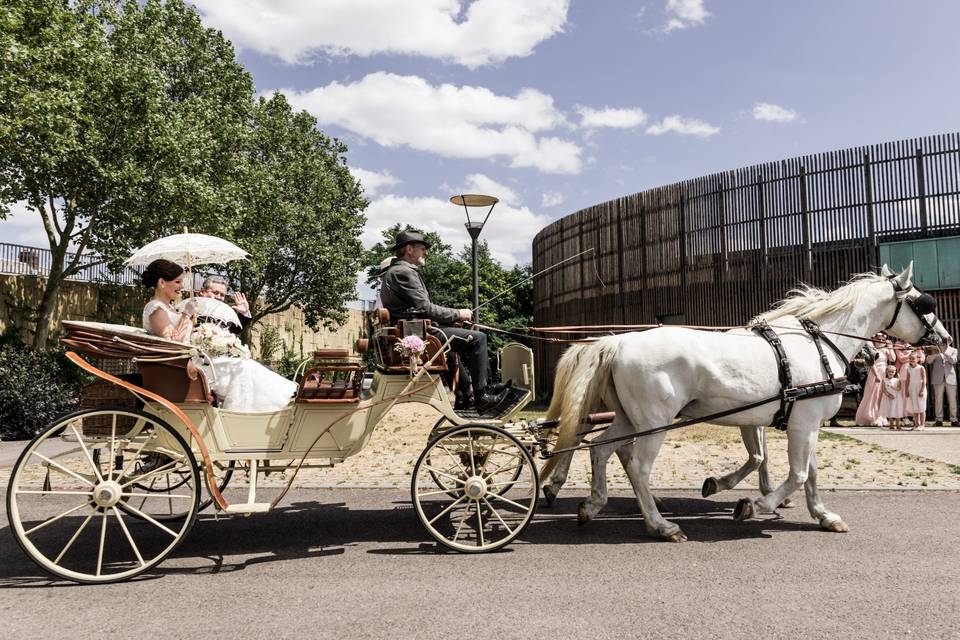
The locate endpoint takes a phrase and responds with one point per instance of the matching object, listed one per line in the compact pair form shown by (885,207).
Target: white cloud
(609,117)
(509,231)
(773,113)
(552,199)
(452,121)
(372,181)
(472,34)
(684,126)
(480,183)
(685,13)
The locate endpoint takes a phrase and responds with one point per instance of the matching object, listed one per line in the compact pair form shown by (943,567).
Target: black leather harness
(790,393)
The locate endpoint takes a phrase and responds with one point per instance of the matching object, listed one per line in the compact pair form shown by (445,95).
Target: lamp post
(474,227)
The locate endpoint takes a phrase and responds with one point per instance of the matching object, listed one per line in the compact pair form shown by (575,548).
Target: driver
(405,296)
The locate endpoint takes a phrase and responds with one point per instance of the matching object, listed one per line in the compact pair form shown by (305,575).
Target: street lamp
(474,227)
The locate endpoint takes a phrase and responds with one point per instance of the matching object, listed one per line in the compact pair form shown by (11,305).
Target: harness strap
(787,397)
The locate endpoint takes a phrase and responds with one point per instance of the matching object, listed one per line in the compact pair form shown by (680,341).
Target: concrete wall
(118,304)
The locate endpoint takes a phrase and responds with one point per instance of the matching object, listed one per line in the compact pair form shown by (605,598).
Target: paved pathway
(357,564)
(936,443)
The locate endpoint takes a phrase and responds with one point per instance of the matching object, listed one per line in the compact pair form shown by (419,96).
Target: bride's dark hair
(160,268)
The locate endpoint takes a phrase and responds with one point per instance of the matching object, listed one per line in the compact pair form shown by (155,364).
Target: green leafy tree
(300,217)
(119,123)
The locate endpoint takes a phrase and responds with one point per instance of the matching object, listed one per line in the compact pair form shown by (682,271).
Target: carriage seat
(165,366)
(178,381)
(333,378)
(389,360)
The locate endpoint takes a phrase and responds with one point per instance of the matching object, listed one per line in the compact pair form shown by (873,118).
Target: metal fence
(22,260)
(719,249)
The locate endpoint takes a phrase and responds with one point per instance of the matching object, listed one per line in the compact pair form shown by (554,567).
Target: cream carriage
(106,493)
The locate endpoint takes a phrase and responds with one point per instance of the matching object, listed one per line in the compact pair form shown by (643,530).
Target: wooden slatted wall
(719,249)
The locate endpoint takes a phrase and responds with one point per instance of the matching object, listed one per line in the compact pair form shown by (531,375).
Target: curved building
(719,249)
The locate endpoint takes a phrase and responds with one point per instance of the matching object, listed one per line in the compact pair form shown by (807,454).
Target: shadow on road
(311,529)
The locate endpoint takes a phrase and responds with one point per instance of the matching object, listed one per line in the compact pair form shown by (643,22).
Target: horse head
(920,325)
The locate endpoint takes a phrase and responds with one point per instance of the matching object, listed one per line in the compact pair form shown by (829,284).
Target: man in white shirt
(943,379)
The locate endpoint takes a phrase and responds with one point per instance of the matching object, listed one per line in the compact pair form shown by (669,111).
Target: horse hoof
(582,516)
(710,487)
(836,526)
(744,510)
(786,504)
(549,495)
(676,536)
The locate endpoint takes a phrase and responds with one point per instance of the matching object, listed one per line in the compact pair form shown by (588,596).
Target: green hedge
(35,387)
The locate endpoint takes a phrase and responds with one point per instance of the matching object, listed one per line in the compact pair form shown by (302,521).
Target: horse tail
(583,377)
(561,380)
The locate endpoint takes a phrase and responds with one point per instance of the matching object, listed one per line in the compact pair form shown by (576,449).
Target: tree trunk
(47,304)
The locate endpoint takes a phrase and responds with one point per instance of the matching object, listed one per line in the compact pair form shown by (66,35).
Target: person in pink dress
(903,351)
(916,384)
(868,413)
(891,402)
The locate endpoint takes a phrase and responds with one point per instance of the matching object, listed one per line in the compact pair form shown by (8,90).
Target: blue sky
(555,105)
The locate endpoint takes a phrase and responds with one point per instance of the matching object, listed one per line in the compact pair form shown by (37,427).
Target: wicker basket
(103,394)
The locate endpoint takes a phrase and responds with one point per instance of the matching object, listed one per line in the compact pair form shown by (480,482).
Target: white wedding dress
(240,384)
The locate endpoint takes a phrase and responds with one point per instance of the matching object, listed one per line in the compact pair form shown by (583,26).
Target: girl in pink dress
(891,402)
(916,384)
(868,413)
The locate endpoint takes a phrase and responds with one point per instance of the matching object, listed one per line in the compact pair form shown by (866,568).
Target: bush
(35,387)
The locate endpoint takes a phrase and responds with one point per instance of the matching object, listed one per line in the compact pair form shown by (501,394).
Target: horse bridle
(922,305)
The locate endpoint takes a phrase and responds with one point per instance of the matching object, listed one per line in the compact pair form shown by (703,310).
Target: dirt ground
(688,456)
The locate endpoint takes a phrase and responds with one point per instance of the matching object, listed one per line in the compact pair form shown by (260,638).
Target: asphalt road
(356,564)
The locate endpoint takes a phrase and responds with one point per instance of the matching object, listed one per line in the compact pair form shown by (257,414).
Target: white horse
(553,478)
(650,378)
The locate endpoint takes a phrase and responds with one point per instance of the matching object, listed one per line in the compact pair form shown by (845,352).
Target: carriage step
(249,507)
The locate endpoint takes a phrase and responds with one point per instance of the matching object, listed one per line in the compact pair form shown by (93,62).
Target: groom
(404,294)
(216,287)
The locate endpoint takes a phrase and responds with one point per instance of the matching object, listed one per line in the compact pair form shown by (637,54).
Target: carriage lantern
(474,227)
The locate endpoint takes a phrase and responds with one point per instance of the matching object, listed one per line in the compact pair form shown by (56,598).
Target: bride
(240,384)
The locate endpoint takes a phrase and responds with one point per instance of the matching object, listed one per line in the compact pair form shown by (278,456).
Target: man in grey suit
(943,378)
(405,296)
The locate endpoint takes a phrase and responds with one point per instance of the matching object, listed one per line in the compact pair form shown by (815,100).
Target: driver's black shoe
(488,402)
(462,404)
(497,388)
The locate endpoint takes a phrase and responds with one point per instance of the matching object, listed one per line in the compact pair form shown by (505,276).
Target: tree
(300,217)
(119,123)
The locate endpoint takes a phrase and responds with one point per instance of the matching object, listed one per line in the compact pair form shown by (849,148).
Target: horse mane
(809,302)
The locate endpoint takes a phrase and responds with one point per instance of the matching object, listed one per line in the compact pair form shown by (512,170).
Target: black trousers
(472,348)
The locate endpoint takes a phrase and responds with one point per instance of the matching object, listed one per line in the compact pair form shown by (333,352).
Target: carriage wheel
(71,496)
(446,465)
(487,500)
(161,503)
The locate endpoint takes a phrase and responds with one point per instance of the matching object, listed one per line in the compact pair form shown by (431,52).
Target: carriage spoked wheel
(74,500)
(445,461)
(162,503)
(489,494)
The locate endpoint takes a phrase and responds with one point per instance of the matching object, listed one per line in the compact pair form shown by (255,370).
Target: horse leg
(637,460)
(828,521)
(764,472)
(599,456)
(800,442)
(752,439)
(558,476)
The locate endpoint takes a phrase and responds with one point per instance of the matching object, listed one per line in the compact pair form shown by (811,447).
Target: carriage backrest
(165,365)
(390,360)
(176,380)
(333,378)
